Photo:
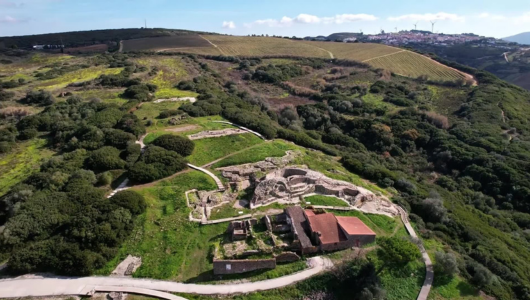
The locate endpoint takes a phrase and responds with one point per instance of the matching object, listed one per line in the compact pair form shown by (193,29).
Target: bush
(105,158)
(179,144)
(28,134)
(130,200)
(156,163)
(118,138)
(42,98)
(446,263)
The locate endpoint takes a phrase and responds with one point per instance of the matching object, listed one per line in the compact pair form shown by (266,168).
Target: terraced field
(262,46)
(355,51)
(411,64)
(396,60)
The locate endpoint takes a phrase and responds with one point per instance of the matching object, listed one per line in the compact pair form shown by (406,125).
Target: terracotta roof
(296,213)
(354,226)
(328,227)
(309,212)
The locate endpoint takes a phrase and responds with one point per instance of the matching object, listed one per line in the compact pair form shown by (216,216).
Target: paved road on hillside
(46,287)
(429,270)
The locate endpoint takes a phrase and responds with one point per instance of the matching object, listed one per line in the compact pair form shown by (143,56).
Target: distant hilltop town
(415,37)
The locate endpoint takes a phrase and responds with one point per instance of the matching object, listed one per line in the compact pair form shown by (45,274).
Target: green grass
(22,162)
(171,72)
(107,96)
(227,211)
(71,77)
(276,148)
(171,247)
(403,283)
(325,201)
(207,150)
(279,271)
(151,110)
(452,288)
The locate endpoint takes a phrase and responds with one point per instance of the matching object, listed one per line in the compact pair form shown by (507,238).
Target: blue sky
(288,17)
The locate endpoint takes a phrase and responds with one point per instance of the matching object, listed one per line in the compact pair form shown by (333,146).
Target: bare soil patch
(165,42)
(183,128)
(87,49)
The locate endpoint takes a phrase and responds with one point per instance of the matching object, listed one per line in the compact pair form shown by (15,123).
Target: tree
(105,158)
(397,252)
(446,263)
(42,98)
(179,144)
(482,277)
(130,200)
(434,209)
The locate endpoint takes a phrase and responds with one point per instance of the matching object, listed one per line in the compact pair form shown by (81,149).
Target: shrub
(437,119)
(446,263)
(179,144)
(42,98)
(105,158)
(130,200)
(28,134)
(118,138)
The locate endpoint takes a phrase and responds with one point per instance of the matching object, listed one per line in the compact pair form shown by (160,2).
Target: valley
(162,149)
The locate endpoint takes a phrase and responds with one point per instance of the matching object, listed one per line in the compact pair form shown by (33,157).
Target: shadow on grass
(209,276)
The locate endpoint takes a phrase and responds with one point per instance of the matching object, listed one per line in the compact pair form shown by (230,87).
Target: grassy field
(171,247)
(151,110)
(260,46)
(20,163)
(108,96)
(187,127)
(325,200)
(71,77)
(171,72)
(207,150)
(276,148)
(227,211)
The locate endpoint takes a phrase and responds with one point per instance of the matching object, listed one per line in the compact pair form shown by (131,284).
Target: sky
(274,17)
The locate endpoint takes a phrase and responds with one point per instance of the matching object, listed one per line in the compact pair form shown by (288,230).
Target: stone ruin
(244,176)
(216,133)
(240,230)
(292,182)
(203,201)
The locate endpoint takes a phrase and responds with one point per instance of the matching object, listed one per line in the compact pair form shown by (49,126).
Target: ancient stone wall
(285,257)
(221,267)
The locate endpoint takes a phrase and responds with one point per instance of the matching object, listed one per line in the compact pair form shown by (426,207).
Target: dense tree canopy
(181,145)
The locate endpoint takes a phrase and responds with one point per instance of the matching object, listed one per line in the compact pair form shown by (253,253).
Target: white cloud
(311,19)
(524,18)
(441,16)
(491,16)
(229,25)
(9,19)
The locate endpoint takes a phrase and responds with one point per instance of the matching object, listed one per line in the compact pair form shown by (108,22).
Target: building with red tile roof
(326,232)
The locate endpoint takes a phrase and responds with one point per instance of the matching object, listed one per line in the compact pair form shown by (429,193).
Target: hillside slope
(521,38)
(380,56)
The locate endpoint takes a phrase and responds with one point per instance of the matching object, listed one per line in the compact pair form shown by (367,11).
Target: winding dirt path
(83,286)
(215,46)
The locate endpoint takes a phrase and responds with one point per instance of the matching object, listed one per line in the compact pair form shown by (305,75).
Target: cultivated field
(263,46)
(396,60)
(411,64)
(355,51)
(165,42)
